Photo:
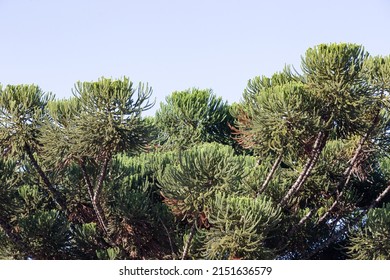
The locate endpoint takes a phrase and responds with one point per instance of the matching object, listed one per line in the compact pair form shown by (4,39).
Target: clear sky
(176,44)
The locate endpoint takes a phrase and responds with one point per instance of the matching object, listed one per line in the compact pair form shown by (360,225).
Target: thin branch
(169,238)
(270,174)
(188,243)
(86,178)
(348,171)
(317,149)
(102,177)
(301,222)
(335,236)
(379,198)
(94,197)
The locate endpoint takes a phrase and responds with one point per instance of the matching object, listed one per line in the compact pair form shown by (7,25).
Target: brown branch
(86,178)
(270,174)
(94,194)
(348,171)
(169,238)
(188,243)
(379,198)
(316,151)
(301,222)
(335,236)
(102,177)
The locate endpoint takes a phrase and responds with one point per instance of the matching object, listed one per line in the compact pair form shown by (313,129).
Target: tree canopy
(298,169)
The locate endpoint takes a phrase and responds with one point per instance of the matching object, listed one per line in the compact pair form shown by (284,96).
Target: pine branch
(94,195)
(301,222)
(102,177)
(169,237)
(348,171)
(86,178)
(335,236)
(188,243)
(270,174)
(317,149)
(379,198)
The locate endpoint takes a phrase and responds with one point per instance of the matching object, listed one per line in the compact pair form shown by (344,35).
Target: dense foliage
(298,169)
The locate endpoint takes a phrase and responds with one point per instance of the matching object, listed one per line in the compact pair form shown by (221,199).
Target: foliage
(22,109)
(239,228)
(298,169)
(371,241)
(201,171)
(193,116)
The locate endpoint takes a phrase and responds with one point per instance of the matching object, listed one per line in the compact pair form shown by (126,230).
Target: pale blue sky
(176,45)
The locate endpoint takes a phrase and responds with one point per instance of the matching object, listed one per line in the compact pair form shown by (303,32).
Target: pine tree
(307,177)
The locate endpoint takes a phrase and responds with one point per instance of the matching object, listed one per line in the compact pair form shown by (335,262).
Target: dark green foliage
(298,169)
(46,234)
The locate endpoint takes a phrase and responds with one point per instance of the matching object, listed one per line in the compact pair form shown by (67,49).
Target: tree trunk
(100,216)
(317,149)
(270,174)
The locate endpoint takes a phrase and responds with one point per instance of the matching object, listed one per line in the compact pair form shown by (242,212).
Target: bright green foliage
(109,254)
(325,127)
(371,241)
(227,227)
(22,109)
(134,190)
(58,130)
(22,114)
(134,203)
(377,72)
(240,226)
(277,118)
(69,144)
(333,76)
(193,116)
